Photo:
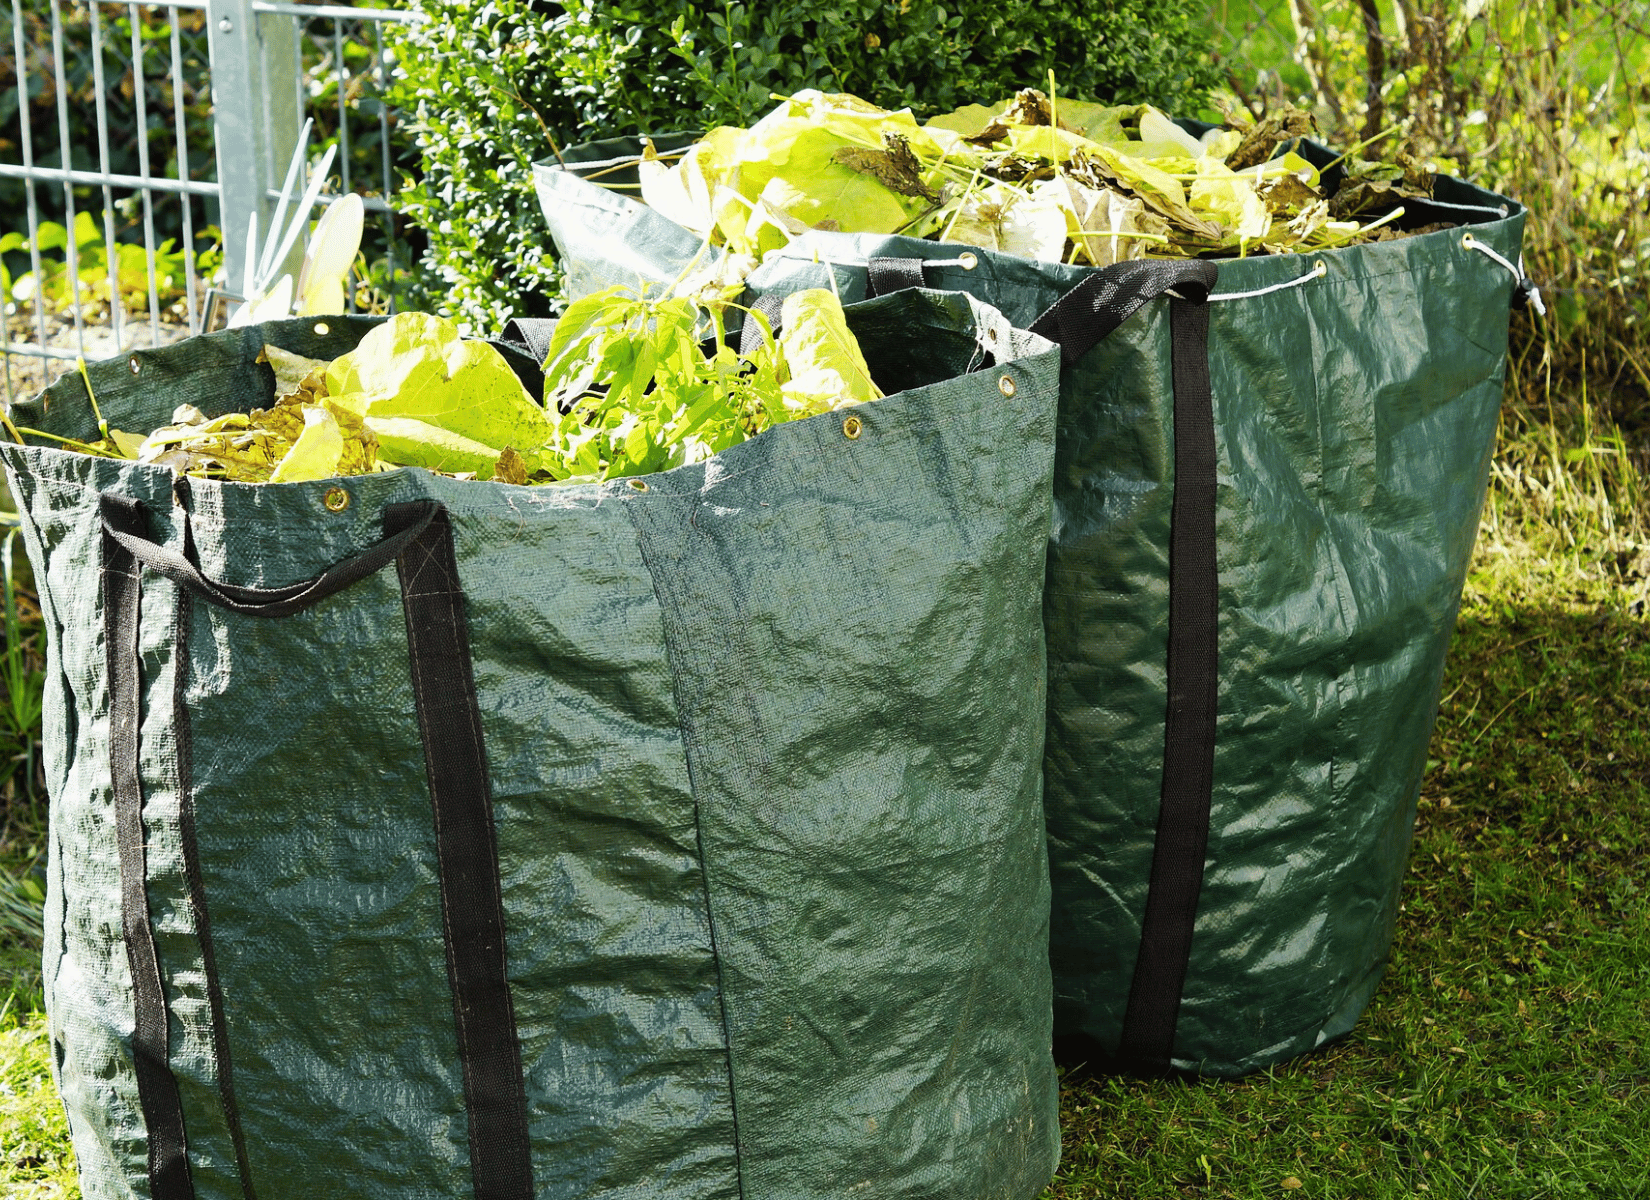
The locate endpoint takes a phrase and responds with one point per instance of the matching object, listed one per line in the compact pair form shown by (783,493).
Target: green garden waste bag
(1268,477)
(676,837)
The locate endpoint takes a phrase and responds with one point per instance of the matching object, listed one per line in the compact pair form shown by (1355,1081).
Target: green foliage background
(492,85)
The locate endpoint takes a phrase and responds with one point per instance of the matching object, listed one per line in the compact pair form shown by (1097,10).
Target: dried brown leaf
(894,166)
(1261,140)
(511,467)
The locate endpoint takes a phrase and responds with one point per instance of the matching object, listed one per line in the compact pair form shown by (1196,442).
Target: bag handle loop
(1089,312)
(124,523)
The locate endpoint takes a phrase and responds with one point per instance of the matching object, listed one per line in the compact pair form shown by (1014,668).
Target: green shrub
(494,84)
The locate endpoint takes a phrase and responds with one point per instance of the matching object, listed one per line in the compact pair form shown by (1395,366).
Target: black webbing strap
(751,333)
(1147,1041)
(1078,321)
(123,523)
(884,275)
(1086,315)
(169,1177)
(532,334)
(419,538)
(472,907)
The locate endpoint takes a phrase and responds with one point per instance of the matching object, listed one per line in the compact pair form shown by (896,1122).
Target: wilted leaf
(1287,195)
(510,467)
(684,192)
(1162,138)
(1028,107)
(1260,141)
(968,121)
(1232,200)
(796,172)
(1108,227)
(1101,123)
(316,453)
(1008,220)
(414,374)
(894,166)
(1366,198)
(410,442)
(127,444)
(827,369)
(294,374)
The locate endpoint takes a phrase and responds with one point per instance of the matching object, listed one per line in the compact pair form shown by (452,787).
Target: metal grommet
(968,260)
(1320,268)
(1466,240)
(1005,385)
(852,428)
(639,485)
(134,364)
(322,329)
(336,499)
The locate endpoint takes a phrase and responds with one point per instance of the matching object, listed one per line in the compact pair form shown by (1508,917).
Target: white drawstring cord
(965,260)
(1318,271)
(1472,243)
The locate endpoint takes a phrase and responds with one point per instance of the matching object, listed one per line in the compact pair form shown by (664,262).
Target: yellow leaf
(127,443)
(407,441)
(826,365)
(291,370)
(316,453)
(1291,1183)
(414,378)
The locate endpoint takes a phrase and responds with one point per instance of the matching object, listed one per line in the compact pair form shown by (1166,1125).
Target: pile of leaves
(1051,179)
(632,386)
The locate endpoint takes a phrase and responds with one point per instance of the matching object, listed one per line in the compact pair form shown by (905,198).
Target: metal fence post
(254,117)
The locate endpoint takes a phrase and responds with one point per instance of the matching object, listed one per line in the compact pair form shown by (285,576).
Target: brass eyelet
(322,329)
(968,260)
(336,500)
(852,428)
(639,485)
(1006,386)
(134,364)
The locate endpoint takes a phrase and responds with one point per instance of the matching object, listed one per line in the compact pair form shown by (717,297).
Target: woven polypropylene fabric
(1354,420)
(764,748)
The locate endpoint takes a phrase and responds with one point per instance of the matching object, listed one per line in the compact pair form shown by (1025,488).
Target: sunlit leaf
(316,453)
(1012,221)
(827,369)
(416,373)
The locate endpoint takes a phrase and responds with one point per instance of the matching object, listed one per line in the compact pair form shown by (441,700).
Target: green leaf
(968,120)
(826,365)
(416,368)
(411,442)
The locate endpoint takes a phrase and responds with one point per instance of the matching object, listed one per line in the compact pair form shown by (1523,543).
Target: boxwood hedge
(492,85)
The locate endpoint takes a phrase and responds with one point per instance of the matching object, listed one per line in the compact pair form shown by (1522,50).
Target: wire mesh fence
(142,139)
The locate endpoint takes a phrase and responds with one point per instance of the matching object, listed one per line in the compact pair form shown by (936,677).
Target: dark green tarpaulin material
(762,749)
(1353,416)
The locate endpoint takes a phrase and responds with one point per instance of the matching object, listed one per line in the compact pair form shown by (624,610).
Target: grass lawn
(1504,1055)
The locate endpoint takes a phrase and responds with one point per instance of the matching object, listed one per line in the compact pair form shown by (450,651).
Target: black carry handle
(124,523)
(884,275)
(1087,315)
(1079,321)
(420,541)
